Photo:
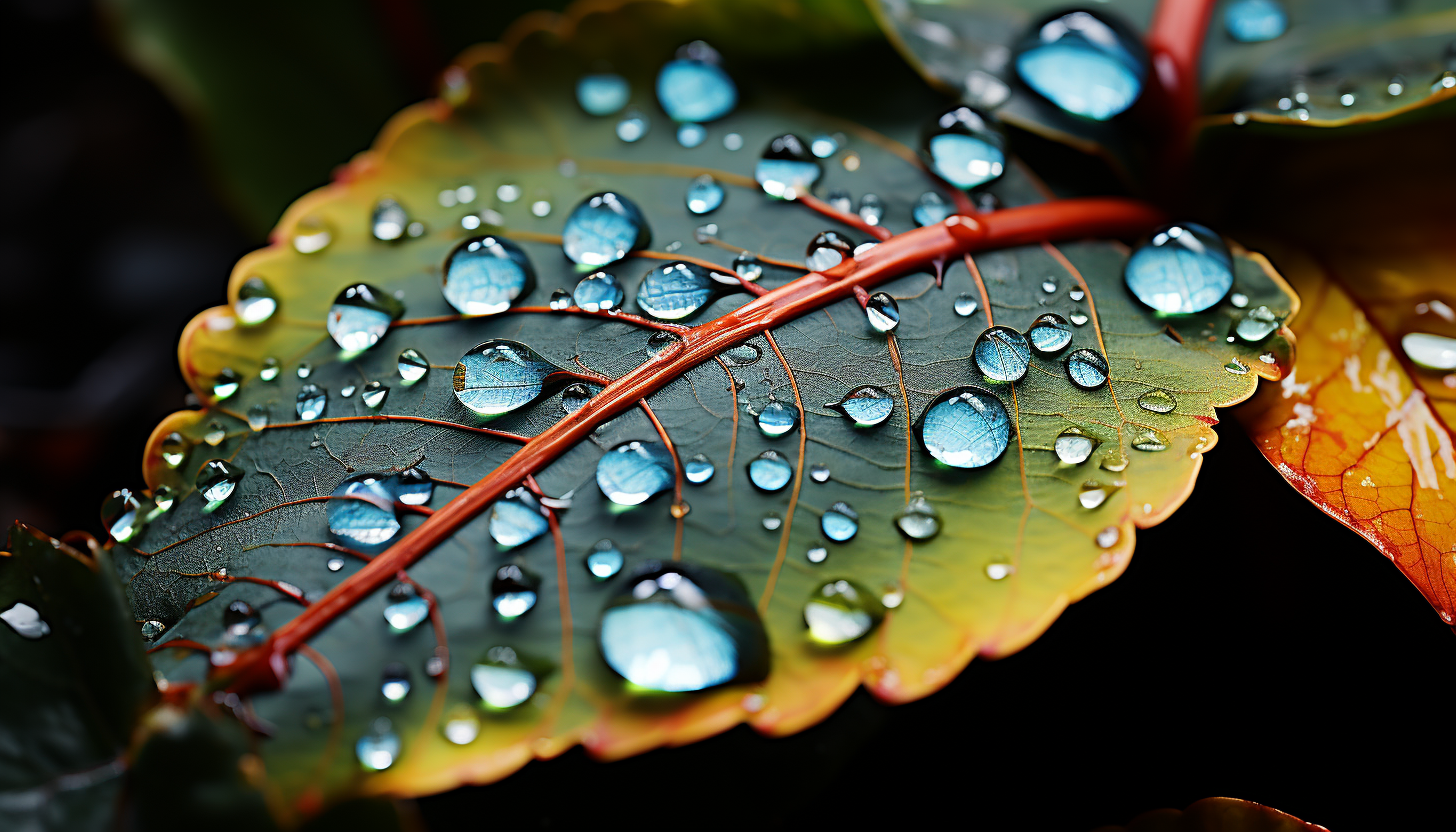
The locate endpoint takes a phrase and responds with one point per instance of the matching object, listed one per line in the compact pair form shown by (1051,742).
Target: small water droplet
(930,209)
(1257,324)
(674,291)
(1078,319)
(1430,351)
(1184,269)
(1108,537)
(216,433)
(389,220)
(242,625)
(311,235)
(560,299)
(659,343)
(1239,299)
(733,141)
(1148,439)
(827,250)
(1268,358)
(964,147)
(824,146)
(866,406)
(1073,446)
(360,316)
(499,376)
(603,93)
(1002,354)
(1049,334)
(1253,21)
(1076,293)
(216,480)
(121,515)
(694,87)
(174,449)
(966,305)
(347,391)
(1093,493)
(604,560)
(394,683)
(378,749)
(840,522)
(965,427)
(1236,367)
(374,394)
(362,510)
(786,168)
(152,629)
(819,472)
(633,472)
(850,161)
(1396,86)
(772,521)
(742,355)
(747,266)
(883,312)
(513,591)
(516,519)
(25,620)
(769,471)
(1157,401)
(335,563)
(690,134)
(1049,286)
(598,292)
(840,200)
(918,520)
(258,417)
(705,234)
(540,207)
(698,469)
(305,369)
(777,419)
(998,570)
(632,127)
(705,194)
(1114,461)
(602,229)
(841,611)
(269,369)
(817,554)
(311,402)
(163,496)
(226,383)
(256,302)
(460,726)
(404,609)
(502,680)
(1086,368)
(1083,62)
(871,209)
(508,192)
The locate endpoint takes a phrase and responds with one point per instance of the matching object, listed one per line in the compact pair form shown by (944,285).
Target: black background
(1254,648)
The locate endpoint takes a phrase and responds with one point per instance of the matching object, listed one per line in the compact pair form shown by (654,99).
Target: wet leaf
(1217,814)
(491,652)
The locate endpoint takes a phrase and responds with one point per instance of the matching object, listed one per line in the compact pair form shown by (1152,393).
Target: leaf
(1016,544)
(1217,814)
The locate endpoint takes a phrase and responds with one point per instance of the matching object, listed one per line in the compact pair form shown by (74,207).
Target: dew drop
(216,480)
(513,591)
(633,472)
(361,509)
(674,291)
(865,406)
(918,520)
(602,229)
(1239,299)
(1002,354)
(499,376)
(258,417)
(516,519)
(694,87)
(216,433)
(603,93)
(772,521)
(817,554)
(705,194)
(1114,461)
(733,141)
(242,625)
(965,427)
(1149,440)
(1092,493)
(334,564)
(174,449)
(1257,324)
(1049,286)
(841,611)
(1430,351)
(1254,21)
(769,471)
(659,343)
(1084,63)
(871,209)
(378,749)
(604,560)
(574,397)
(966,305)
(508,192)
(819,472)
(25,620)
(162,498)
(786,168)
(598,292)
(121,515)
(460,726)
(827,250)
(746,266)
(691,135)
(1236,367)
(311,402)
(152,629)
(1086,368)
(389,220)
(698,469)
(256,302)
(1185,268)
(404,608)
(347,391)
(632,127)
(360,316)
(502,680)
(964,147)
(560,299)
(226,383)
(374,394)
(742,355)
(998,570)
(1078,319)
(311,235)
(394,683)
(1157,401)
(840,201)
(823,146)
(1049,334)
(1074,446)
(839,523)
(269,369)
(1108,537)
(705,234)
(930,209)
(1076,293)
(777,419)
(883,312)
(305,369)
(484,275)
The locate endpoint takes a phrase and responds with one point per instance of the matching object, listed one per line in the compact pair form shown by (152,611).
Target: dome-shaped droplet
(575,396)
(311,402)
(312,235)
(1093,493)
(516,519)
(1257,324)
(827,250)
(560,299)
(225,383)
(1148,439)
(513,591)
(174,449)
(1157,401)
(1002,354)
(374,394)
(152,629)
(389,220)
(216,433)
(966,427)
(394,682)
(964,147)
(362,510)
(269,369)
(930,209)
(404,609)
(216,480)
(698,469)
(839,523)
(769,471)
(777,419)
(1185,268)
(360,316)
(883,312)
(841,611)
(1428,350)
(772,521)
(1253,21)
(786,168)
(1084,63)
(871,209)
(499,376)
(412,366)
(704,195)
(598,292)
(1086,368)
(502,679)
(484,275)
(604,560)
(674,291)
(378,749)
(1074,446)
(602,93)
(634,472)
(742,355)
(258,416)
(865,406)
(680,627)
(632,127)
(1077,318)
(690,134)
(918,520)
(163,497)
(819,472)
(256,302)
(413,487)
(602,229)
(1049,334)
(966,305)
(659,343)
(121,515)
(695,89)
(747,266)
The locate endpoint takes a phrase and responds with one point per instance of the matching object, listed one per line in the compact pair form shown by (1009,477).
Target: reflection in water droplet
(819,472)
(1078,319)
(817,554)
(226,383)
(772,521)
(602,94)
(698,469)
(1049,334)
(216,480)
(674,291)
(25,620)
(1428,350)
(269,370)
(964,147)
(378,749)
(1093,493)
(1239,299)
(930,209)
(1253,21)
(694,89)
(1185,268)
(602,229)
(1149,440)
(216,433)
(347,391)
(388,221)
(574,397)
(152,629)
(866,406)
(1084,63)
(1157,401)
(516,519)
(786,168)
(604,560)
(162,498)
(404,609)
(690,134)
(360,316)
(412,366)
(1108,537)
(1049,286)
(965,427)
(966,305)
(998,570)
(632,127)
(883,312)
(335,563)
(1257,324)
(513,591)
(258,417)
(746,266)
(499,376)
(311,235)
(1086,368)
(598,292)
(704,195)
(1002,354)
(1073,446)
(256,302)
(840,201)
(769,471)
(560,299)
(413,487)
(502,680)
(777,419)
(1114,461)
(840,522)
(174,449)
(305,369)
(484,275)
(1236,367)
(460,726)
(1076,293)
(121,515)
(824,146)
(362,510)
(871,209)
(827,250)
(374,394)
(634,472)
(918,520)
(839,612)
(394,683)
(311,402)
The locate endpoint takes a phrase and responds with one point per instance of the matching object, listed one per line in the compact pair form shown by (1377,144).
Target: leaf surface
(1217,814)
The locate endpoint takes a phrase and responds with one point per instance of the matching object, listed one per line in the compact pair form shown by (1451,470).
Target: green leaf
(1016,546)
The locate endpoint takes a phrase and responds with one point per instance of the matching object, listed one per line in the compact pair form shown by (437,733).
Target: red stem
(1175,45)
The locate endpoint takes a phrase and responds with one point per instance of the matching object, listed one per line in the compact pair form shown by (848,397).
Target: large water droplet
(919,519)
(964,148)
(311,402)
(598,292)
(633,472)
(1002,354)
(394,682)
(412,366)
(1253,21)
(121,515)
(516,519)
(1185,268)
(216,480)
(704,195)
(674,291)
(966,305)
(360,316)
(839,612)
(256,302)
(389,220)
(769,471)
(866,406)
(499,376)
(698,469)
(786,168)
(965,427)
(1049,334)
(1074,446)
(777,419)
(827,250)
(404,608)
(1086,368)
(1085,63)
(513,591)
(602,229)
(883,312)
(25,620)
(682,628)
(602,93)
(378,749)
(1093,493)
(1433,352)
(840,522)
(696,88)
(1157,401)
(930,209)
(362,510)
(484,275)
(502,679)
(604,560)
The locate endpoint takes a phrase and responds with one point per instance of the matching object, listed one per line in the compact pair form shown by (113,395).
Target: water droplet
(1430,351)
(1253,21)
(827,250)
(819,472)
(258,416)
(786,169)
(1085,63)
(632,127)
(460,725)
(516,519)
(404,609)
(1092,493)
(696,88)
(918,520)
(162,498)
(226,383)
(871,209)
(394,683)
(269,369)
(690,134)
(152,629)
(484,275)
(840,522)
(1074,446)
(1239,299)
(998,570)
(1049,334)
(513,591)
(1078,319)
(706,233)
(374,394)
(1185,268)
(256,302)
(1049,286)
(508,193)
(698,469)
(360,316)
(930,209)
(378,749)
(502,679)
(769,471)
(674,291)
(1148,439)
(121,515)
(705,194)
(840,200)
(733,141)
(574,397)
(883,312)
(866,406)
(964,147)
(772,521)
(633,472)
(216,480)
(746,266)
(965,427)
(823,146)
(683,628)
(966,305)
(603,93)
(347,390)
(413,487)
(1257,324)
(1076,293)
(499,376)
(742,355)
(242,625)
(362,510)
(1086,368)
(304,369)
(1114,461)
(389,220)
(1108,537)
(1236,367)
(1002,354)
(604,560)
(598,292)
(1157,401)
(602,229)
(311,402)
(216,433)
(560,299)
(1396,86)
(659,343)
(777,419)
(817,554)
(335,563)
(311,235)
(412,366)
(174,449)
(25,620)
(839,612)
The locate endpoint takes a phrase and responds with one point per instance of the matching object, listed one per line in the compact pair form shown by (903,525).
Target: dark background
(1254,648)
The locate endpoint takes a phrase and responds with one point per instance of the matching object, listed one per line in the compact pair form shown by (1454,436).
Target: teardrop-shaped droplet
(121,515)
(602,229)
(1085,63)
(1428,350)
(361,509)
(412,366)
(1092,493)
(1002,354)
(1086,368)
(574,397)
(413,487)
(632,127)
(311,402)
(256,302)
(347,390)
(258,416)
(216,480)
(690,134)
(1076,293)
(871,209)
(514,591)
(787,169)
(1148,439)
(883,312)
(704,195)
(1185,268)
(26,621)
(964,147)
(841,611)
(360,316)
(748,267)
(827,250)
(769,471)
(312,235)
(966,305)
(394,682)
(602,93)
(502,680)
(866,406)
(1254,21)
(674,291)
(634,472)
(484,275)
(598,292)
(604,560)
(681,627)
(1073,446)
(1236,367)
(499,376)
(174,449)
(966,427)
(404,608)
(919,519)
(269,369)
(374,394)
(930,209)
(839,523)
(691,89)
(777,419)
(516,519)
(1157,401)
(226,383)
(698,469)
(1114,461)
(1049,334)
(389,220)
(1257,324)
